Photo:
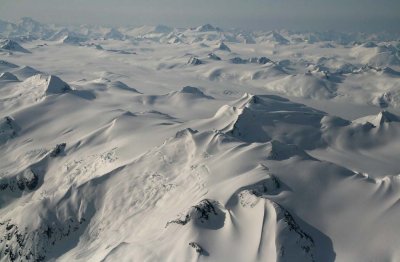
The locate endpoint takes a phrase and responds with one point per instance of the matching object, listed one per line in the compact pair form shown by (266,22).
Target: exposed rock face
(198,248)
(254,60)
(20,244)
(214,57)
(194,61)
(263,60)
(59,149)
(206,213)
(27,180)
(238,60)
(8,129)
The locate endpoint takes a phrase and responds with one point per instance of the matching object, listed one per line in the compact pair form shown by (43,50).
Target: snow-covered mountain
(26,27)
(197,144)
(12,46)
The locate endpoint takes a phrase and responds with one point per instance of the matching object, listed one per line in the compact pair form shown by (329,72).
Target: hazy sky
(365,15)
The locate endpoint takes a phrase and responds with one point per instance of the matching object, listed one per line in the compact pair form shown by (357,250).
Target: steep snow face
(214,57)
(54,85)
(5,65)
(162,145)
(47,84)
(11,45)
(193,90)
(194,61)
(7,76)
(32,90)
(257,121)
(222,46)
(25,72)
(275,37)
(73,39)
(114,34)
(382,118)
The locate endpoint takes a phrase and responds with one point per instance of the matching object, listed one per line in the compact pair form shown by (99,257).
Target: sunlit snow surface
(199,144)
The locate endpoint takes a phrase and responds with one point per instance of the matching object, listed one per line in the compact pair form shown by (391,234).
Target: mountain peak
(387,117)
(12,45)
(207,28)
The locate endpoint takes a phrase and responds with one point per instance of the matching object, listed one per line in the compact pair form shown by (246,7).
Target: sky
(321,15)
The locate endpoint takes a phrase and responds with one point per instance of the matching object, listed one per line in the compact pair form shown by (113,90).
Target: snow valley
(198,144)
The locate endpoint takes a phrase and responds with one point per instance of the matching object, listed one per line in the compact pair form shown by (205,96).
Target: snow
(222,46)
(207,28)
(7,76)
(198,144)
(25,72)
(11,45)
(114,34)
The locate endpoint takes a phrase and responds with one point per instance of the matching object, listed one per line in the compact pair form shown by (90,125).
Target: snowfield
(198,144)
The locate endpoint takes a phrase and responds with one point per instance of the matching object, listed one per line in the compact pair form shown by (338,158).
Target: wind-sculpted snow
(155,143)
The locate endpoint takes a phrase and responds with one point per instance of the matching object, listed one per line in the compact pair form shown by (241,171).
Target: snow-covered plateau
(155,143)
